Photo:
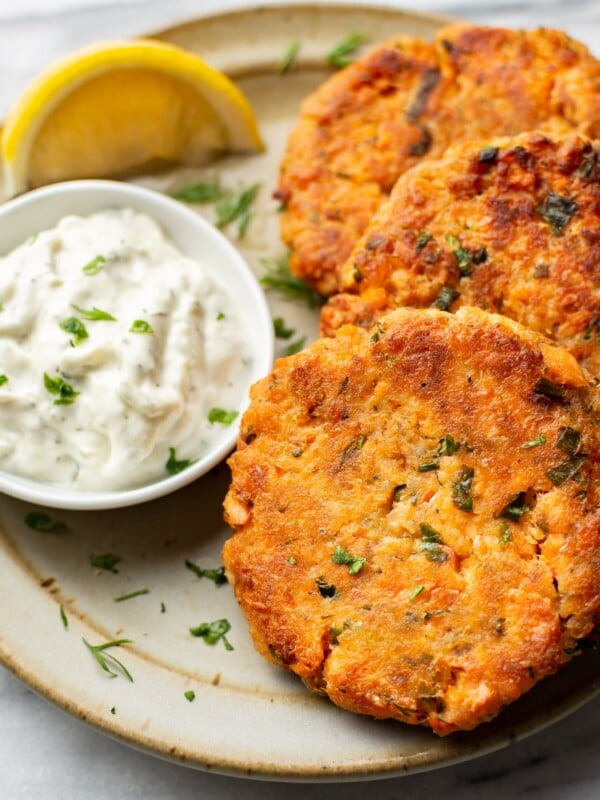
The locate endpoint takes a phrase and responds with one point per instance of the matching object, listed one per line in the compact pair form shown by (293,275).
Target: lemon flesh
(116,109)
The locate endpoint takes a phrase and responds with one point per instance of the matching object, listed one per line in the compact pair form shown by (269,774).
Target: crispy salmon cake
(415,507)
(406,101)
(510,225)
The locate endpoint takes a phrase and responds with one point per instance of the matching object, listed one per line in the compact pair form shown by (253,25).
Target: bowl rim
(246,292)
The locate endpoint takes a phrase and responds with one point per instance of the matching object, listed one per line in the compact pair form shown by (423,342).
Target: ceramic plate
(247,717)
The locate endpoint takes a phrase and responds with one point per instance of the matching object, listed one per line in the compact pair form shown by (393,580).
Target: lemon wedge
(119,107)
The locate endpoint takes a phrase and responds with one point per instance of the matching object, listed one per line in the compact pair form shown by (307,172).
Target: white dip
(139,393)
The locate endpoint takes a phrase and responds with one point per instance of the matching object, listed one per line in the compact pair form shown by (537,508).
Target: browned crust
(329,439)
(527,220)
(407,101)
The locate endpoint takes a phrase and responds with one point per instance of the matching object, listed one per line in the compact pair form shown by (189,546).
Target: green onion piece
(130,595)
(557,210)
(63,617)
(448,446)
(416,592)
(549,389)
(565,471)
(428,466)
(190,695)
(568,440)
(445,298)
(3,379)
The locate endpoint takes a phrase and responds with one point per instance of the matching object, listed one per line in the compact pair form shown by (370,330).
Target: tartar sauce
(121,359)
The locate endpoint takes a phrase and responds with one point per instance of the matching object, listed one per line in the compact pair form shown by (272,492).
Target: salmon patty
(415,508)
(510,225)
(407,101)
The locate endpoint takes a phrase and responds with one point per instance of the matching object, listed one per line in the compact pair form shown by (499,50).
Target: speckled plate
(247,718)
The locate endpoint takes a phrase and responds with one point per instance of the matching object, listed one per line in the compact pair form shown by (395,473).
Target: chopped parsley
(342,556)
(140,326)
(105,561)
(325,588)
(428,466)
(291,560)
(199,193)
(94,314)
(76,328)
(220,316)
(462,496)
(286,62)
(568,440)
(173,466)
(215,574)
(279,279)
(94,266)
(294,347)
(163,608)
(557,210)
(431,544)
(339,55)
(445,298)
(63,617)
(565,471)
(539,440)
(190,695)
(105,659)
(3,379)
(66,393)
(222,416)
(211,632)
(43,523)
(130,595)
(281,332)
(516,508)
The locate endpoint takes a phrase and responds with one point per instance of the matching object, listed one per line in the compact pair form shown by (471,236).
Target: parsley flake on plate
(105,561)
(108,660)
(212,632)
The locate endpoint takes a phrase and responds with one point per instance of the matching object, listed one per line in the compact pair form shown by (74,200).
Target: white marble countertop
(47,754)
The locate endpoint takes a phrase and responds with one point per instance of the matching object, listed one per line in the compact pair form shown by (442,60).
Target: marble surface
(47,754)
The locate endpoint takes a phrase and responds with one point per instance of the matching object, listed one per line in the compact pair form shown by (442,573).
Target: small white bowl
(42,209)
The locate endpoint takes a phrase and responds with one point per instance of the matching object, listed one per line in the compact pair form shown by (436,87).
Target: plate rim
(390,767)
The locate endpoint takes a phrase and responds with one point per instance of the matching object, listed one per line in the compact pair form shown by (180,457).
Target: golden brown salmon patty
(417,532)
(508,225)
(406,101)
